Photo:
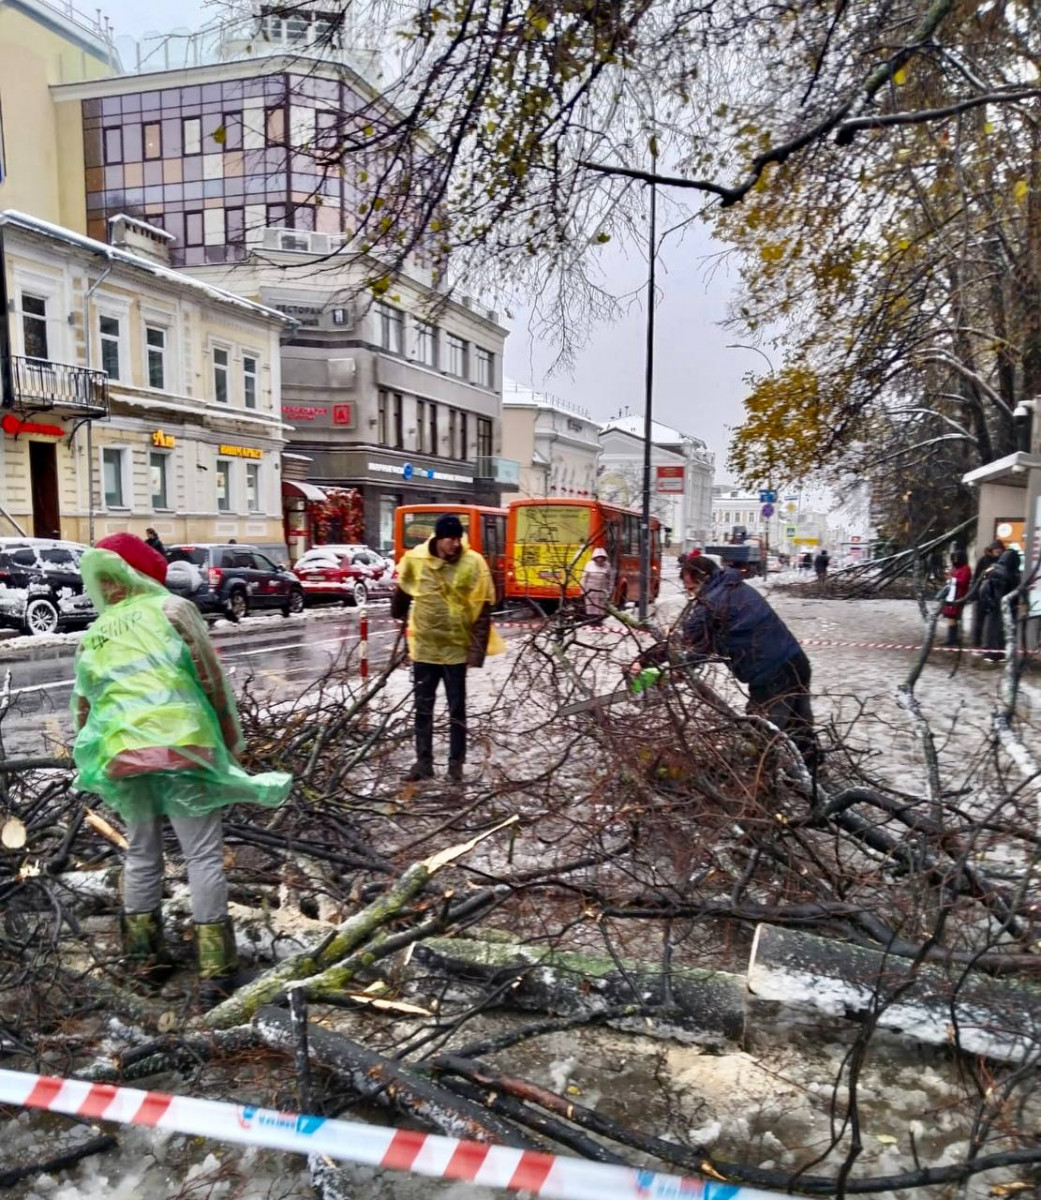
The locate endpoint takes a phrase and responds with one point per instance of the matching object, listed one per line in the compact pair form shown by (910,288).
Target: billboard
(669,479)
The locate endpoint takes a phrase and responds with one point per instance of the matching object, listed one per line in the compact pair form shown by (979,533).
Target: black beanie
(448,526)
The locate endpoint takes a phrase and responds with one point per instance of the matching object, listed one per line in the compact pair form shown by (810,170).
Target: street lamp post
(769,486)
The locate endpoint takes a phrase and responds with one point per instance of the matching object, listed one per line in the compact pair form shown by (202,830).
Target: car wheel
(41,617)
(359,594)
(238,605)
(295,604)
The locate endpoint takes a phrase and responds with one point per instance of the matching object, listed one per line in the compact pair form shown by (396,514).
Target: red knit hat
(138,554)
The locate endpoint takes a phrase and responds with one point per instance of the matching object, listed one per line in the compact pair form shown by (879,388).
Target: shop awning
(297,487)
(1012,470)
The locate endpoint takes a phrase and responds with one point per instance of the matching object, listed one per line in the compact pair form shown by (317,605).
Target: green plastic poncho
(447,598)
(156,721)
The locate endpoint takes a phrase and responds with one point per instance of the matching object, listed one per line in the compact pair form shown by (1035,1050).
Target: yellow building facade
(139,396)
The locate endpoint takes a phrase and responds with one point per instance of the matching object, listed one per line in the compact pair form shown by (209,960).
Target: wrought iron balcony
(505,472)
(41,385)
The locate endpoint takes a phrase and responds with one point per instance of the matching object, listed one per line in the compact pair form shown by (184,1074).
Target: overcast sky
(698,381)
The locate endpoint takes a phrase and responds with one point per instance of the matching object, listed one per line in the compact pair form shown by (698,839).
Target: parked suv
(231,580)
(41,589)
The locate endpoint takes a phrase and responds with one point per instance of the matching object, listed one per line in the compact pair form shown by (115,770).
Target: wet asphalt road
(280,658)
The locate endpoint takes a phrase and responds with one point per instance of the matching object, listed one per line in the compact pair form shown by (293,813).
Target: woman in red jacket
(959,577)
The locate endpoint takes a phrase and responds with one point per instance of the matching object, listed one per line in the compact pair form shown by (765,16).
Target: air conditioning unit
(320,243)
(342,372)
(294,241)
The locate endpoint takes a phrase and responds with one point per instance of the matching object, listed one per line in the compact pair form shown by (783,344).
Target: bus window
(419,526)
(491,546)
(550,542)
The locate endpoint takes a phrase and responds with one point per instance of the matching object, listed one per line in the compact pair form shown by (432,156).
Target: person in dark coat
(153,540)
(820,565)
(730,619)
(959,578)
(986,560)
(1000,579)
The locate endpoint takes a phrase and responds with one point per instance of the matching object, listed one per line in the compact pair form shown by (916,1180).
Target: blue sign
(768,511)
(430,472)
(767,496)
(407,471)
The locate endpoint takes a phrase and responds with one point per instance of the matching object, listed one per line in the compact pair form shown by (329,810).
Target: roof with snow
(9,218)
(524,395)
(661,435)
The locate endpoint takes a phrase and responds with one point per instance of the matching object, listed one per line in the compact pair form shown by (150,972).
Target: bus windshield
(419,526)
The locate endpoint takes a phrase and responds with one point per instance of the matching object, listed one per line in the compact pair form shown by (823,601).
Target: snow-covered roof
(520,395)
(9,217)
(661,435)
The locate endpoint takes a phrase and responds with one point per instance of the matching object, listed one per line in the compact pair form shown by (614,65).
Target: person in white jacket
(597,583)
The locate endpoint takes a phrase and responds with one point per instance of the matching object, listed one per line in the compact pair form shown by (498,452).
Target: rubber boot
(218,961)
(419,770)
(953,634)
(144,946)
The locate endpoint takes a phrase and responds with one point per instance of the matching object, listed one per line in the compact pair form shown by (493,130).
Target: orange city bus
(485,532)
(549,542)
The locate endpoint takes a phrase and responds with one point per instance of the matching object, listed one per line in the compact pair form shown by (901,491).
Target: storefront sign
(670,479)
(342,414)
(163,441)
(240,452)
(419,473)
(11,425)
(304,412)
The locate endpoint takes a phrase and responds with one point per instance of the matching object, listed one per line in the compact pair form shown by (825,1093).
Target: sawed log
(379,1079)
(710,1004)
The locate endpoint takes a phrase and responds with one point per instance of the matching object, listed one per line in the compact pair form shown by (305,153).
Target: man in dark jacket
(730,619)
(152,539)
(986,560)
(998,580)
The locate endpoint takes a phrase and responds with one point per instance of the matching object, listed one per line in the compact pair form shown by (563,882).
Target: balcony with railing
(41,386)
(503,472)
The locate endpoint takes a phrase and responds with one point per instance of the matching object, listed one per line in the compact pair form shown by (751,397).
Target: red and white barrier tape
(895,646)
(395,1149)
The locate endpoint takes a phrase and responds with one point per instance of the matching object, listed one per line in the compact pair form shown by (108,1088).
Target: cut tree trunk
(709,1004)
(978,1013)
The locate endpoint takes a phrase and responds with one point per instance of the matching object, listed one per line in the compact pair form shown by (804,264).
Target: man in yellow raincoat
(446,591)
(158,735)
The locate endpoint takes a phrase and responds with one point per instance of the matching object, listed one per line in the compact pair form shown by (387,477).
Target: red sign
(670,479)
(11,424)
(342,414)
(304,412)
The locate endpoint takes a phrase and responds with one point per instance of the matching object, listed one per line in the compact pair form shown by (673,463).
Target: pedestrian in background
(158,735)
(959,578)
(152,539)
(986,560)
(820,565)
(998,581)
(445,590)
(597,584)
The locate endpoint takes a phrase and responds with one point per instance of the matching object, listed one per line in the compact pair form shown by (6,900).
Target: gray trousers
(202,844)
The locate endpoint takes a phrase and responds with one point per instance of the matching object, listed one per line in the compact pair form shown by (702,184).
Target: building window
(426,344)
(253,487)
(453,434)
(112,469)
(108,328)
(157,470)
(464,436)
(389,324)
(397,417)
(232,128)
(153,140)
(34,325)
(191,135)
(193,229)
(381,417)
(432,427)
(456,356)
(421,432)
(220,375)
(249,380)
(326,134)
(484,437)
(276,216)
(485,368)
(234,226)
(156,342)
(223,486)
(275,126)
(113,146)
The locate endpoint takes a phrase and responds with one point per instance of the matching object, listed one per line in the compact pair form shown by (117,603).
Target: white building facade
(682,468)
(556,442)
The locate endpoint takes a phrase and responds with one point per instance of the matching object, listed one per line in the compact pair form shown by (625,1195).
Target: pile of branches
(682,823)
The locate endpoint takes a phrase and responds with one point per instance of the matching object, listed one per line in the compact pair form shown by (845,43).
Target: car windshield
(191,554)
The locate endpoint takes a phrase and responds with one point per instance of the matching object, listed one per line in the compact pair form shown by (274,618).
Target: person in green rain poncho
(158,736)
